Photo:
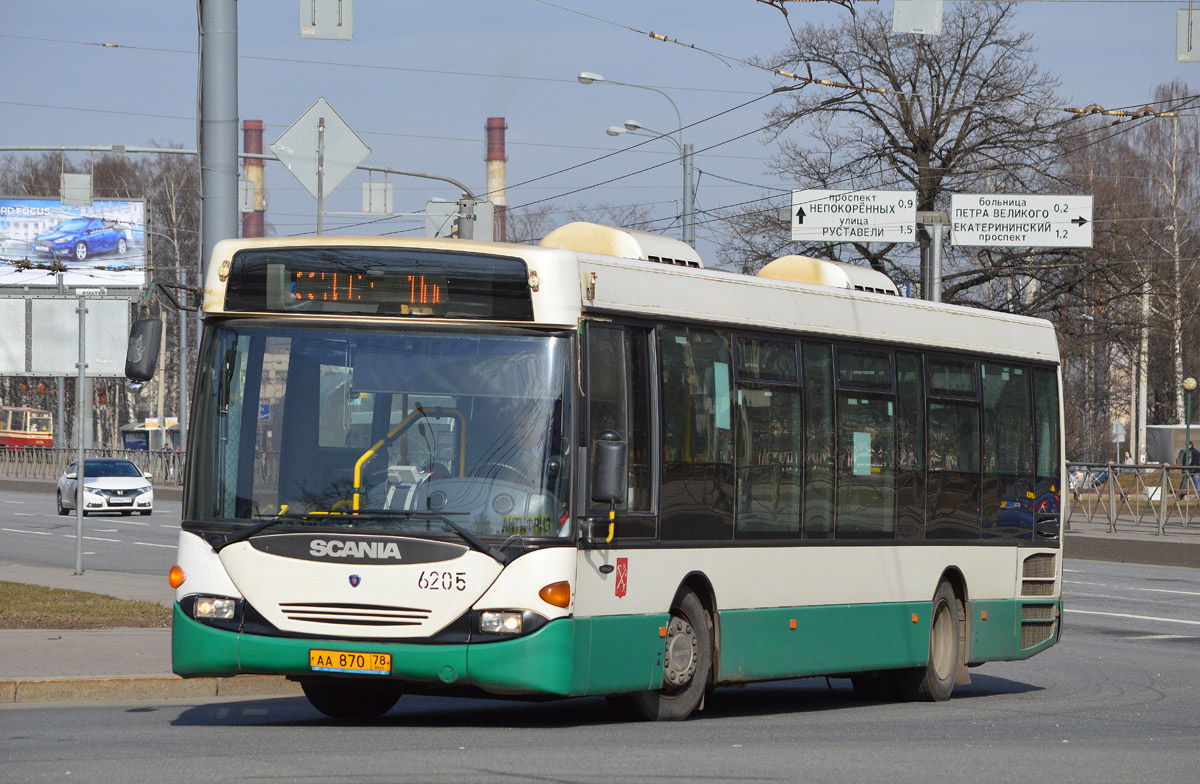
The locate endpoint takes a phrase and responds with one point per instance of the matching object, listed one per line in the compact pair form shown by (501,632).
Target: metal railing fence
(1157,496)
(164,466)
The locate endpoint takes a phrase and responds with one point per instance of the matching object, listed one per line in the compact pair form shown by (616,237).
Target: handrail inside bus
(400,428)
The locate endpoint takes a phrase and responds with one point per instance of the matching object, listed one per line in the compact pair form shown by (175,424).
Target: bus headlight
(214,608)
(500,622)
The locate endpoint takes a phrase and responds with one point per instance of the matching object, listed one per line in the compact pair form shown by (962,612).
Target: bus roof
(567,284)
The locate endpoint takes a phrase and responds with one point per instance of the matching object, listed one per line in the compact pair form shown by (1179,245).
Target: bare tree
(530,224)
(965,110)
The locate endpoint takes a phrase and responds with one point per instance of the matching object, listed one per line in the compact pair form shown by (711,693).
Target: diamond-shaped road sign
(298,146)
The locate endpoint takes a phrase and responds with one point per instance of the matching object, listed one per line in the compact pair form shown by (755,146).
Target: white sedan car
(110,484)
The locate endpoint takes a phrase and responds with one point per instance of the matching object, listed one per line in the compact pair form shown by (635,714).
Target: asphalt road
(33,534)
(1117,700)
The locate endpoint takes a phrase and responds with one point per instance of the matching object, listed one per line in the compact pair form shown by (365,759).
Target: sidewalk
(41,665)
(44,665)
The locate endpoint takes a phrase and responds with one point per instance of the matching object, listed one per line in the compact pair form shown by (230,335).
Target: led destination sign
(379,282)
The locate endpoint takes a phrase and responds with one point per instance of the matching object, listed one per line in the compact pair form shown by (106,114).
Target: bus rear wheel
(935,681)
(687,662)
(349,700)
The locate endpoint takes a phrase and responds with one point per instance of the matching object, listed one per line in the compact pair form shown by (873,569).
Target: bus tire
(935,681)
(349,700)
(687,663)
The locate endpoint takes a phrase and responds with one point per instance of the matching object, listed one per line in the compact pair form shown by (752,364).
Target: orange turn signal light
(558,594)
(985,615)
(175,577)
(915,619)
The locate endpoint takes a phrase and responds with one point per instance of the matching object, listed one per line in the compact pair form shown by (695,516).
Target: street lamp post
(1189,385)
(688,207)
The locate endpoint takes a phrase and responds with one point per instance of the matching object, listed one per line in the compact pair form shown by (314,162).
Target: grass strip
(34,607)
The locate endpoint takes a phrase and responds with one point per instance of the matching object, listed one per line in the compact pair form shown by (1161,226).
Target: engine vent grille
(1037,612)
(1036,632)
(1040,565)
(1029,588)
(354,614)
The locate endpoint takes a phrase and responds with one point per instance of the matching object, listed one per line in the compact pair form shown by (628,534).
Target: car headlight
(500,622)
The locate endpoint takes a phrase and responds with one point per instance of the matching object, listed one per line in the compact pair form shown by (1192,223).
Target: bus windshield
(381,429)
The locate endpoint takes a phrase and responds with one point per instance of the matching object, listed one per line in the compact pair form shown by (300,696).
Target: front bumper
(543,662)
(97,502)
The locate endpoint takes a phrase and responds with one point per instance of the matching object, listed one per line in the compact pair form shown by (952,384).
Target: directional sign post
(1021,220)
(854,216)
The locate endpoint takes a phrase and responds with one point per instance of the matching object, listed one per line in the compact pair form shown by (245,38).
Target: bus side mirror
(610,469)
(141,358)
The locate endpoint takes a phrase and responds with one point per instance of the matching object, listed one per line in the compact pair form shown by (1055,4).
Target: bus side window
(697,423)
(618,372)
(1008,468)
(910,446)
(818,447)
(770,440)
(955,481)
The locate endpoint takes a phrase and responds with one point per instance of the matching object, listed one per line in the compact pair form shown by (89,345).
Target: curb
(1156,552)
(147,687)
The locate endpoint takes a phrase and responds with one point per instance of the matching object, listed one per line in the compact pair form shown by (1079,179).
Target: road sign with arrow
(854,216)
(1021,220)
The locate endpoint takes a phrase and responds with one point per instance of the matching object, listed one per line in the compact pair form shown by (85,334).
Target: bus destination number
(350,661)
(442,581)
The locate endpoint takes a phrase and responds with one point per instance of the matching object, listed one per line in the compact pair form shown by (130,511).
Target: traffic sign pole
(320,174)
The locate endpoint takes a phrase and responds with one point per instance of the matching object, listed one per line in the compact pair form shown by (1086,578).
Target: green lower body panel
(788,642)
(566,657)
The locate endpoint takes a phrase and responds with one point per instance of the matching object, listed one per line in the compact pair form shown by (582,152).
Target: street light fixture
(685,150)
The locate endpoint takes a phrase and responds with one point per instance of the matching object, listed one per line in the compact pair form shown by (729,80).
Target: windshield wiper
(246,533)
(467,535)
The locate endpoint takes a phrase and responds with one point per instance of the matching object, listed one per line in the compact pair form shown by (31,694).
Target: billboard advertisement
(103,244)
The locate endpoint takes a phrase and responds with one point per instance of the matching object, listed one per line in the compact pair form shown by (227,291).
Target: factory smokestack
(252,170)
(495,175)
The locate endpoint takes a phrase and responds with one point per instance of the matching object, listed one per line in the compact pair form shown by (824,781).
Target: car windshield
(72,225)
(93,469)
(382,429)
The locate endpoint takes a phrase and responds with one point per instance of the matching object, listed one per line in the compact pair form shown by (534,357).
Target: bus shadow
(760,699)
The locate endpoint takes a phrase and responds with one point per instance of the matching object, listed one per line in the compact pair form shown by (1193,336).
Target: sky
(419,80)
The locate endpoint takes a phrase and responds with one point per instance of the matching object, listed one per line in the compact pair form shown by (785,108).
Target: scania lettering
(340,549)
(547,471)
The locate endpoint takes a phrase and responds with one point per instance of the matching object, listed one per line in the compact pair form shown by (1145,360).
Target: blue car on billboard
(78,238)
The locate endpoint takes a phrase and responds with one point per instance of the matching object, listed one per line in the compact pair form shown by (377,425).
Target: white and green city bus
(595,467)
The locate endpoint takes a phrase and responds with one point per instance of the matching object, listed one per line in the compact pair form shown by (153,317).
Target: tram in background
(21,427)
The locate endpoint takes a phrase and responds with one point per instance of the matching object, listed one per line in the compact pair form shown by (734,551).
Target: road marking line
(152,544)
(94,538)
(160,525)
(24,514)
(1131,588)
(1164,637)
(19,531)
(128,522)
(104,530)
(1135,617)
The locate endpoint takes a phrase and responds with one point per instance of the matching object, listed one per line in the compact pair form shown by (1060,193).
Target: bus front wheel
(687,661)
(935,681)
(349,700)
